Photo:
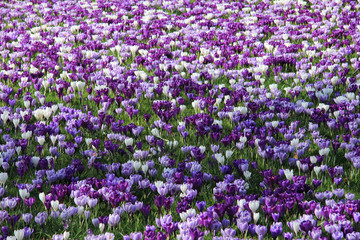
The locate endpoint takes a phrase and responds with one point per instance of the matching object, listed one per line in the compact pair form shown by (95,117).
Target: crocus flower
(276,229)
(3,178)
(260,231)
(114,219)
(19,234)
(41,217)
(27,217)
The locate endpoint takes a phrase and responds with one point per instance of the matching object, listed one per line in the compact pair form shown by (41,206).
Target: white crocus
(243,139)
(296,227)
(27,104)
(26,135)
(5,116)
(101,227)
(18,150)
(55,205)
(46,84)
(144,168)
(54,108)
(80,210)
(324,151)
(195,105)
(155,132)
(313,159)
(228,154)
(42,100)
(133,49)
(256,217)
(275,124)
(41,140)
(129,141)
(183,188)
(183,216)
(288,174)
(42,197)
(66,235)
(24,193)
(19,234)
(47,113)
(247,175)
(317,170)
(53,139)
(182,108)
(80,85)
(175,143)
(136,165)
(243,110)
(158,184)
(16,122)
(241,203)
(294,142)
(39,114)
(35,161)
(254,205)
(3,178)
(172,144)
(88,141)
(220,158)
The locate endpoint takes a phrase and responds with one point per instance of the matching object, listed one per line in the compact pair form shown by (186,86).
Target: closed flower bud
(42,197)
(101,227)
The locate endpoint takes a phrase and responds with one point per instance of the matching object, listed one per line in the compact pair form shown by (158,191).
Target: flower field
(179,119)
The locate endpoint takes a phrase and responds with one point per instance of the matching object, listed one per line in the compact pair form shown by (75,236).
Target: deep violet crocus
(276,229)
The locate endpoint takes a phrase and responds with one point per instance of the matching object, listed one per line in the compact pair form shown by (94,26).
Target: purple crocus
(136,236)
(114,219)
(276,229)
(41,217)
(27,217)
(261,231)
